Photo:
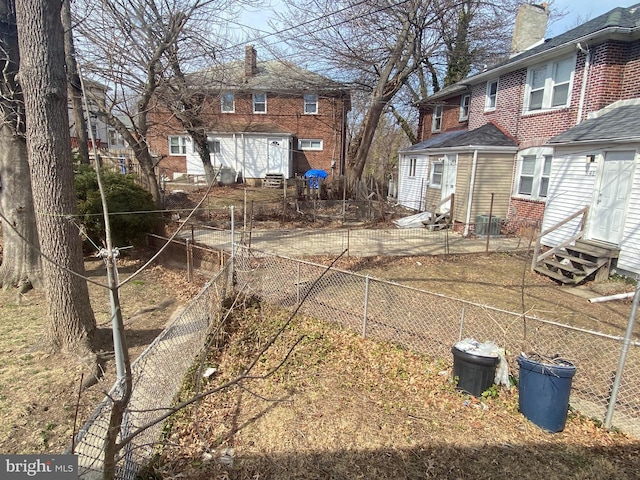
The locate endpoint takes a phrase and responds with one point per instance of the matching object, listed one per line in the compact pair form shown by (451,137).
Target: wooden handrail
(433,217)
(536,251)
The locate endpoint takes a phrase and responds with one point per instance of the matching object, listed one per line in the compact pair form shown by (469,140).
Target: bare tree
(43,79)
(132,46)
(384,48)
(20,260)
(74,85)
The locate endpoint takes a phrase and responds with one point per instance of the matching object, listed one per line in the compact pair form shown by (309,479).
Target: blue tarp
(313,176)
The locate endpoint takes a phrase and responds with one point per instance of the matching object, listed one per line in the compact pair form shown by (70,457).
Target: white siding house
(413,179)
(596,165)
(246,155)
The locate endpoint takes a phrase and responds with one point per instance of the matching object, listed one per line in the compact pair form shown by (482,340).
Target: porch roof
(485,136)
(615,124)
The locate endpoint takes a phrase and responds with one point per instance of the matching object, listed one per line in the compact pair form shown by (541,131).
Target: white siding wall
(246,154)
(629,259)
(412,189)
(571,186)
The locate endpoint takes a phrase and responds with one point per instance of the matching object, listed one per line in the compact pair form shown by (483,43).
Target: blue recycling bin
(544,390)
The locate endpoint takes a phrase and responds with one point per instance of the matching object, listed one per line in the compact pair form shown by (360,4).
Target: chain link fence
(426,322)
(157,377)
(432,323)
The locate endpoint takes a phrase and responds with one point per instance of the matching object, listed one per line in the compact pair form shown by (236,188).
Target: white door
(275,155)
(449,172)
(613,185)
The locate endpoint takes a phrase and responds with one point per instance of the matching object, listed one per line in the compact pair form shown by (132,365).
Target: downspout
(235,154)
(471,187)
(585,76)
(244,148)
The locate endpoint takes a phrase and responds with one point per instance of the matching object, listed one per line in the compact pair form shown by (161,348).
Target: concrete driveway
(357,242)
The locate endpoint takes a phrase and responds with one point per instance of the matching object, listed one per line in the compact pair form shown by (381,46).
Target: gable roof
(618,123)
(271,75)
(618,24)
(485,136)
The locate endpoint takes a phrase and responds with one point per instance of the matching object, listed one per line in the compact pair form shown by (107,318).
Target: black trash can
(475,373)
(544,389)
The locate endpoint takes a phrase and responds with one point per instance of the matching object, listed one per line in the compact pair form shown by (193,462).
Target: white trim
(547,89)
(305,103)
(253,103)
(488,96)
(233,105)
(461,116)
(308,144)
(436,119)
(432,170)
(539,156)
(183,140)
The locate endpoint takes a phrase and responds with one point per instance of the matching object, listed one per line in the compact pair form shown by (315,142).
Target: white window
(413,162)
(228,103)
(437,168)
(309,144)
(549,86)
(259,103)
(436,122)
(178,145)
(544,178)
(464,107)
(492,95)
(310,103)
(534,170)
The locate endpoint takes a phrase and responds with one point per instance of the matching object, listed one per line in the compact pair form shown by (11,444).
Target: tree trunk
(74,86)
(202,146)
(43,79)
(147,168)
(361,142)
(20,257)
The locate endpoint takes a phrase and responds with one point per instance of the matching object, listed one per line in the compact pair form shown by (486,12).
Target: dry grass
(38,391)
(347,407)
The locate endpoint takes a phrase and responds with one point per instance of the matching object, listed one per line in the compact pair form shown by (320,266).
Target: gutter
(605,34)
(599,141)
(585,76)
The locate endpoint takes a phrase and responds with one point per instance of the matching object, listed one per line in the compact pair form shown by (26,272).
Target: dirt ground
(343,407)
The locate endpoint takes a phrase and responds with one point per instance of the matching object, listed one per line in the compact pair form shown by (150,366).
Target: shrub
(122,195)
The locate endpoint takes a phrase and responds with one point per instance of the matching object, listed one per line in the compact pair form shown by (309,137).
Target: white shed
(250,155)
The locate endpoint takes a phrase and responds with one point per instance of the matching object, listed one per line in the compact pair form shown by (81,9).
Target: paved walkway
(358,242)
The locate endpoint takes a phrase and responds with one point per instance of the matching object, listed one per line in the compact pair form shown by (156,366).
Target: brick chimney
(250,58)
(530,27)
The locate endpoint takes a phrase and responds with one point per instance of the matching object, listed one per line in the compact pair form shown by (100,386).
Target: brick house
(263,118)
(564,101)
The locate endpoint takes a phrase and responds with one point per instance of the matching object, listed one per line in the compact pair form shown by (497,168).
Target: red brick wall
(284,115)
(450,118)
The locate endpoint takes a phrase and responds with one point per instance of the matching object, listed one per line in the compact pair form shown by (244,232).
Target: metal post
(233,245)
(348,241)
(189,261)
(461,325)
(623,358)
(298,285)
(486,248)
(366,306)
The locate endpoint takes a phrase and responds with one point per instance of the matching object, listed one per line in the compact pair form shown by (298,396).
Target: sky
(578,11)
(581,11)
